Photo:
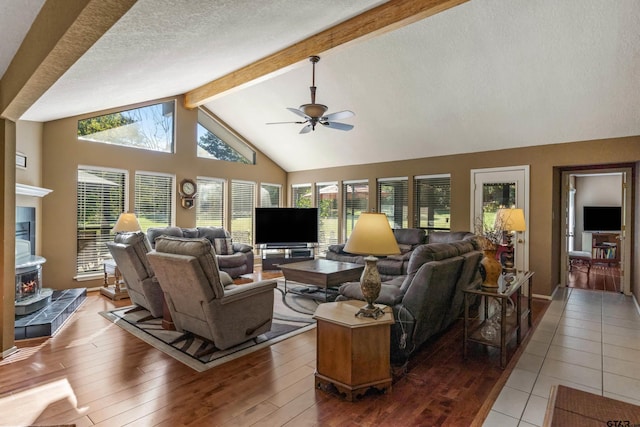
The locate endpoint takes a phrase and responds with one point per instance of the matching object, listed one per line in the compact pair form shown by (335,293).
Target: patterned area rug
(292,315)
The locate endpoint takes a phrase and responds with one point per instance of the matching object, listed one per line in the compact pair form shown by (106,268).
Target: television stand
(273,256)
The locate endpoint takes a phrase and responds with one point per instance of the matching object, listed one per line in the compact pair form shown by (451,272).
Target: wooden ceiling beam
(386,17)
(61,33)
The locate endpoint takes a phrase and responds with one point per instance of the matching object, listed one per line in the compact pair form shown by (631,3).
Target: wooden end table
(118,291)
(508,324)
(352,353)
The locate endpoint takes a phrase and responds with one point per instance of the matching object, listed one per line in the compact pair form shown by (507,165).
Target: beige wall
(62,153)
(29,143)
(545,163)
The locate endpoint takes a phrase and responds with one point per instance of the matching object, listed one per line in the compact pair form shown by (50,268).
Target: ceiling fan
(314,113)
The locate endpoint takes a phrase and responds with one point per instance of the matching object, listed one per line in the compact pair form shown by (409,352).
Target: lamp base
(373,312)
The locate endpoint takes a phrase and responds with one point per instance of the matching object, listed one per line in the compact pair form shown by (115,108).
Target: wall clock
(188,189)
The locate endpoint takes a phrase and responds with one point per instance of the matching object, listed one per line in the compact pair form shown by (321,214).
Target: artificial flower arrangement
(489,236)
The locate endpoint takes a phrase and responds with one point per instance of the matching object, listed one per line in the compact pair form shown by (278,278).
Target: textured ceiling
(488,74)
(16,17)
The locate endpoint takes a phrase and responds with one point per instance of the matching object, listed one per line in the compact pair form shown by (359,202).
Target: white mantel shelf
(30,190)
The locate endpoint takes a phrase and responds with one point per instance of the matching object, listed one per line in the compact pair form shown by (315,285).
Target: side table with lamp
(353,342)
(127,222)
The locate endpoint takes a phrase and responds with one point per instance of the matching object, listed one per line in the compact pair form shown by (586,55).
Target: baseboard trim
(9,352)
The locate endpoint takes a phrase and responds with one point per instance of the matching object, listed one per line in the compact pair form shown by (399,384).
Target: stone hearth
(46,321)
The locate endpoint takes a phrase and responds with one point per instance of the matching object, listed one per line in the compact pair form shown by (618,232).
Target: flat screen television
(602,218)
(286,226)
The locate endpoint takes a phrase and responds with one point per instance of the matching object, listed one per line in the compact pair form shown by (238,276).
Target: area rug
(292,315)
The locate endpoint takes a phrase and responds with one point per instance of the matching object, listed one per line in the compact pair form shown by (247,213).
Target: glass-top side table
(505,324)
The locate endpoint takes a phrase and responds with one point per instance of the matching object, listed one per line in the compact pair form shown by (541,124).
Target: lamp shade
(372,235)
(127,221)
(511,219)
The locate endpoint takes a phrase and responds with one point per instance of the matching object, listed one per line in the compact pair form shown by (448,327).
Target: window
(327,203)
(301,196)
(101,200)
(270,195)
(393,201)
(148,128)
(154,196)
(210,202)
(355,196)
(242,209)
(216,141)
(432,202)
(496,195)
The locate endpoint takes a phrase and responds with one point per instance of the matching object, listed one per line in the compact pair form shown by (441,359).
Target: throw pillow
(404,248)
(223,246)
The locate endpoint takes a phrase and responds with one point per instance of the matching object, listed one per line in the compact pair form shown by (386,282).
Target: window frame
(172,132)
(405,208)
(100,254)
(417,180)
(201,182)
(224,133)
(170,198)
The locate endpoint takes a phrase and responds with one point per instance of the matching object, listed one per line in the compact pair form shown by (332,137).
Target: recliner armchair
(129,251)
(200,303)
(236,259)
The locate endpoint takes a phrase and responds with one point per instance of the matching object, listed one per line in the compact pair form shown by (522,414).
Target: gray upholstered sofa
(390,266)
(233,258)
(429,298)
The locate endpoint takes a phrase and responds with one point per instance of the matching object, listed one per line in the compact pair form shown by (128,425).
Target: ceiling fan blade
(298,112)
(284,123)
(336,125)
(339,115)
(306,129)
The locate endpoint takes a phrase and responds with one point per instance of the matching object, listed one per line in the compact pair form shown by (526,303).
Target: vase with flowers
(489,238)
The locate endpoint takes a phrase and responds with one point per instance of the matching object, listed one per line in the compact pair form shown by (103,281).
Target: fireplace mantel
(30,190)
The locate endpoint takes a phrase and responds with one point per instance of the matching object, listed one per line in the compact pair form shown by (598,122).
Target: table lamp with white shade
(127,222)
(371,236)
(510,220)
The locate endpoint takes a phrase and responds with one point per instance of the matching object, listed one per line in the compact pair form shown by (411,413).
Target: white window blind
(432,202)
(301,196)
(153,203)
(393,201)
(242,210)
(327,204)
(355,195)
(210,202)
(270,195)
(101,200)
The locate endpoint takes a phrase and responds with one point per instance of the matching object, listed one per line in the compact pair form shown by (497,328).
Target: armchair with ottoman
(201,302)
(429,298)
(233,258)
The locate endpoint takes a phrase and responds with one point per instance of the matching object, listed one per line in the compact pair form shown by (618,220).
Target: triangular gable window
(216,141)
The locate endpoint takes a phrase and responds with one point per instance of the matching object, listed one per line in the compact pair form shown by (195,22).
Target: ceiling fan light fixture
(315,113)
(314,110)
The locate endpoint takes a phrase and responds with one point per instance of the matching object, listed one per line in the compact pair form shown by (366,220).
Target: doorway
(506,187)
(596,230)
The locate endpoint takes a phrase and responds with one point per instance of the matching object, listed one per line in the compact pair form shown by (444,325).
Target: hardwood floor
(600,277)
(92,372)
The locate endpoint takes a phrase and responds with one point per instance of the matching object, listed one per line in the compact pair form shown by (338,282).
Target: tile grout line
(544,358)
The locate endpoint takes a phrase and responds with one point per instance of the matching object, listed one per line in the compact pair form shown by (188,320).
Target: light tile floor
(588,340)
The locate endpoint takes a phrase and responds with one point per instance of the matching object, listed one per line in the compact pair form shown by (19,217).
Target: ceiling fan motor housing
(314,110)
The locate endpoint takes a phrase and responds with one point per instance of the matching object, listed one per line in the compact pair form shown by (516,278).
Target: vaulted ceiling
(481,75)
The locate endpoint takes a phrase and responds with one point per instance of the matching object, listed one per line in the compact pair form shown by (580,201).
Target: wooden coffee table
(321,272)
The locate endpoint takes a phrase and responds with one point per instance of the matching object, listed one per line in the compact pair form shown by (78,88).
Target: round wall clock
(188,188)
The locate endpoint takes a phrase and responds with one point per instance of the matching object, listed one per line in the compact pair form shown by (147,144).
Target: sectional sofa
(428,298)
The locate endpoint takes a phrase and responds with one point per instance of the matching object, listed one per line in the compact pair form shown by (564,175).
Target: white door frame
(627,223)
(519,175)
